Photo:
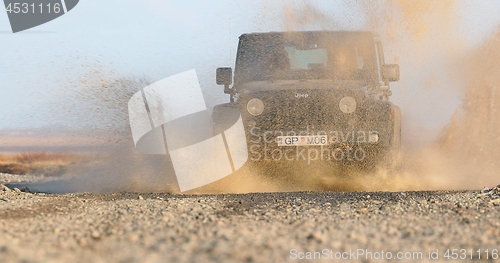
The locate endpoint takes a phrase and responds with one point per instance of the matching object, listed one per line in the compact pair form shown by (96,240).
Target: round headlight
(347,105)
(373,137)
(255,107)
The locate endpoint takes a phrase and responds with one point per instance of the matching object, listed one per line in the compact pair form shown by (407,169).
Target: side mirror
(390,72)
(224,76)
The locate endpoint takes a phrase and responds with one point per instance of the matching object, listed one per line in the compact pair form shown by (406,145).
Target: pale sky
(101,39)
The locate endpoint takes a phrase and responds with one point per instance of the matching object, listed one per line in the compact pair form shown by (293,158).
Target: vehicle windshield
(312,55)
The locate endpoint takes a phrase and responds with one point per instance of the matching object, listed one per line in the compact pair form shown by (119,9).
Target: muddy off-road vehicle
(307,96)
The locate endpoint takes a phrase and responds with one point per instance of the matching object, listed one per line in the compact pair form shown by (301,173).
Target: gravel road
(260,227)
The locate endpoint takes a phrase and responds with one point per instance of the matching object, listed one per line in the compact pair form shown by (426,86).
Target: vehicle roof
(288,33)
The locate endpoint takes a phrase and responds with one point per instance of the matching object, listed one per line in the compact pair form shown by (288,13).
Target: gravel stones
(260,227)
(4,188)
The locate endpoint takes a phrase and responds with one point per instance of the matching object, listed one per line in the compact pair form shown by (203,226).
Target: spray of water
(98,101)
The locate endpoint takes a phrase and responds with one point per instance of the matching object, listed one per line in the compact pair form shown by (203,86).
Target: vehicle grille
(319,111)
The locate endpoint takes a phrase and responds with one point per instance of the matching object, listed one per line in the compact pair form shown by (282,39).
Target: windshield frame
(367,38)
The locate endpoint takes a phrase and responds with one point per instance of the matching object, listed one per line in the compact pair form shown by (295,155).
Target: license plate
(302,140)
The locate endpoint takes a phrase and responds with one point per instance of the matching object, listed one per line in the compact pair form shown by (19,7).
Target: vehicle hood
(281,85)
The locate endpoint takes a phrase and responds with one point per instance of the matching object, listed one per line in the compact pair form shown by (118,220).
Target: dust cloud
(449,99)
(462,154)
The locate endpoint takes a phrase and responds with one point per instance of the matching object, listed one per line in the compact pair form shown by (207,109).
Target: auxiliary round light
(373,138)
(255,107)
(347,105)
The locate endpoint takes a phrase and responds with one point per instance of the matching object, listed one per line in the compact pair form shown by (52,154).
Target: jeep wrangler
(306,96)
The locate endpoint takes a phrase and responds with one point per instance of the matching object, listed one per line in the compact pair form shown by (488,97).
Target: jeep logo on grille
(301,95)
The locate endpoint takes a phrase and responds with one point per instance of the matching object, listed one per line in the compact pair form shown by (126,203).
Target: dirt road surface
(259,227)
